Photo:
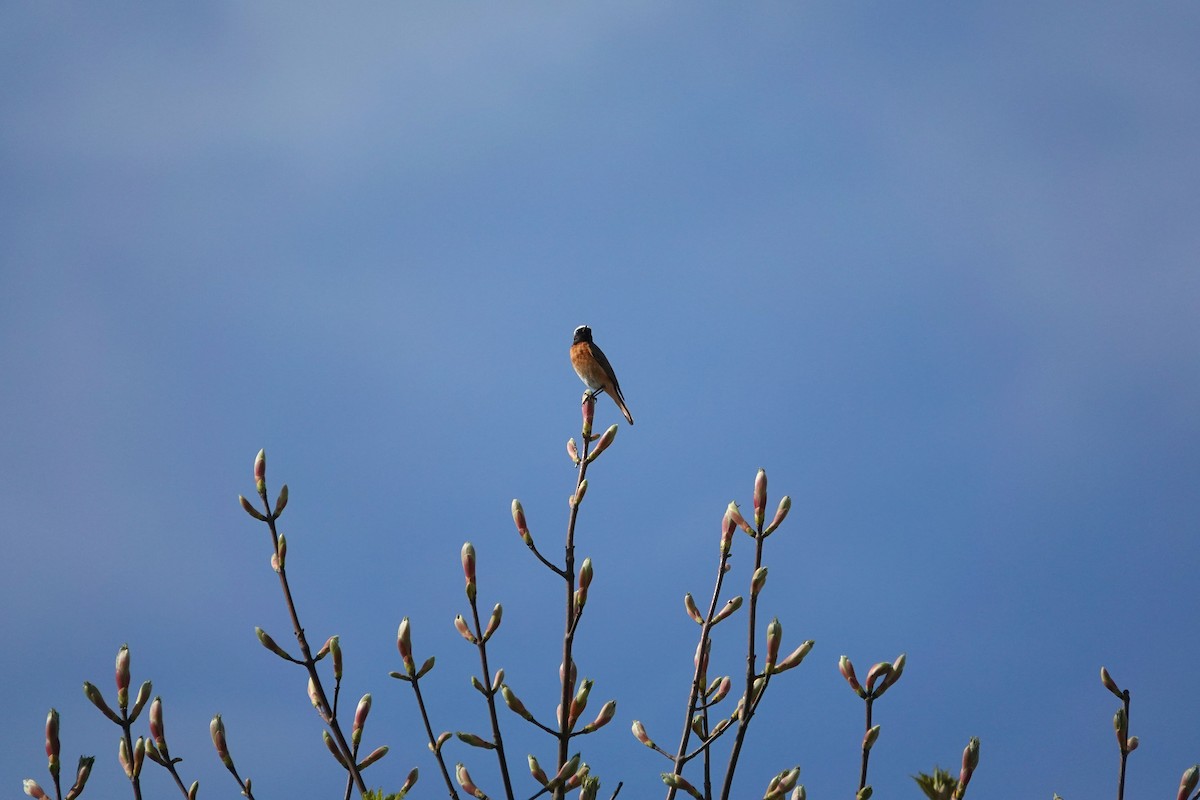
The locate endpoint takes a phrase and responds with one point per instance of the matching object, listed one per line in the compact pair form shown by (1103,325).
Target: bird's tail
(620,401)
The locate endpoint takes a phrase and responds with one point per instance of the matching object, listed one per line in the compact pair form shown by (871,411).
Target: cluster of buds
(880,677)
(1125,742)
(782,783)
(53,755)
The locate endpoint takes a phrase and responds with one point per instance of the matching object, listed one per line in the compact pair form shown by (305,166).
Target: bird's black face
(582,334)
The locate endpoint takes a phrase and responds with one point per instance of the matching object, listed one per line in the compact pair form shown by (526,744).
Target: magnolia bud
(157,730)
(461,625)
(251,510)
(34,790)
(795,657)
(1110,684)
(260,472)
(281,502)
(774,637)
(468,565)
(464,780)
(375,755)
(639,733)
(785,505)
(573,451)
(97,699)
(1187,784)
(689,604)
(869,738)
(728,526)
(606,439)
(53,746)
(535,769)
(732,605)
(493,622)
(760,497)
(404,645)
(360,718)
(607,711)
(122,676)
(589,413)
(758,581)
(736,515)
(847,670)
(518,514)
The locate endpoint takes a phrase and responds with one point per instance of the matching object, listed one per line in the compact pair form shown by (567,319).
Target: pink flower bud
(468,565)
(585,574)
(1110,684)
(573,451)
(81,776)
(730,606)
(881,670)
(404,645)
(493,622)
(157,731)
(1187,784)
(607,712)
(122,676)
(795,657)
(514,703)
(251,510)
(728,526)
(736,515)
(580,491)
(260,472)
(689,604)
(375,755)
(606,439)
(970,760)
(847,670)
(758,581)
(332,747)
(760,497)
(360,718)
(1133,743)
(464,780)
(474,740)
(679,782)
(142,696)
(700,659)
(579,702)
(53,746)
(589,412)
(518,514)
(124,758)
(266,641)
(639,733)
(139,756)
(93,695)
(722,687)
(497,680)
(785,505)
(535,769)
(870,737)
(34,790)
(281,501)
(461,625)
(410,781)
(774,637)
(335,651)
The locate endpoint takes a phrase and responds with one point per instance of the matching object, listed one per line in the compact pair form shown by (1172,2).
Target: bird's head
(582,334)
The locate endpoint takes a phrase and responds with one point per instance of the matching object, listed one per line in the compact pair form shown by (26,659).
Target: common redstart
(594,370)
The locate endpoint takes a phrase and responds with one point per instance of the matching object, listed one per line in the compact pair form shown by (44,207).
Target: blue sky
(933,268)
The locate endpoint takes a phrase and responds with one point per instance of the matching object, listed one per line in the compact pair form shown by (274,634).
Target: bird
(594,370)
